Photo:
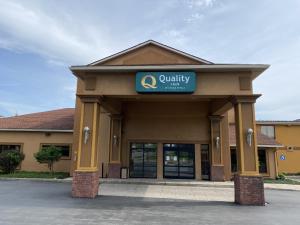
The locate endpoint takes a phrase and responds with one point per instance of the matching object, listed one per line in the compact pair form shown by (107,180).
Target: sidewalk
(167,182)
(192,183)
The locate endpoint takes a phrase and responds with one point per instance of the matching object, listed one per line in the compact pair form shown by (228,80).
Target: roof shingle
(60,119)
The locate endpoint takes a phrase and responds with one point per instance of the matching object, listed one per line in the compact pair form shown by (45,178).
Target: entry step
(171,182)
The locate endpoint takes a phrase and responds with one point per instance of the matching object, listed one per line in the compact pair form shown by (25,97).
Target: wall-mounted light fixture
(249,136)
(115,140)
(217,142)
(86,131)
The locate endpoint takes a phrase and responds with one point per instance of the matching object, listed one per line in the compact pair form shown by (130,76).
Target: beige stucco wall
(164,123)
(289,136)
(31,142)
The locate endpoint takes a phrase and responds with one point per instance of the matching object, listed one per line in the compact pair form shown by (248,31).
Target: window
(143,157)
(268,131)
(8,147)
(65,149)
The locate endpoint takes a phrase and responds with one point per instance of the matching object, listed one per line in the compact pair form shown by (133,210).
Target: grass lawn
(28,174)
(286,181)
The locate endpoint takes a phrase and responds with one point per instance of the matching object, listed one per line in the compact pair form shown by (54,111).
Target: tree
(48,155)
(10,160)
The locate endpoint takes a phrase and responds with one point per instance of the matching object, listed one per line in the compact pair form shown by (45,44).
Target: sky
(39,40)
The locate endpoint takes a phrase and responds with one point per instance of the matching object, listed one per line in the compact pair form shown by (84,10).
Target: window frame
(14,143)
(274,128)
(60,144)
(21,150)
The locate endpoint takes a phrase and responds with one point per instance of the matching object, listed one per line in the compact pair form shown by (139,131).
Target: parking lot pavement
(43,203)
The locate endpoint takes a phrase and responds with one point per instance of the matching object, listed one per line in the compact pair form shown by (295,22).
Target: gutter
(37,130)
(263,146)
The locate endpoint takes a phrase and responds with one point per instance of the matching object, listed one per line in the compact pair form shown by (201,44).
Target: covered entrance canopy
(154,94)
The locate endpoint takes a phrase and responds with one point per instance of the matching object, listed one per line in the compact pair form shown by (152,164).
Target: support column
(86,174)
(217,166)
(114,166)
(249,186)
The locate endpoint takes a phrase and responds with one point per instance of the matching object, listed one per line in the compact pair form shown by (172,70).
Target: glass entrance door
(179,161)
(143,160)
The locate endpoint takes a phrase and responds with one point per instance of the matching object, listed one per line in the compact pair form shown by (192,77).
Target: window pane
(268,131)
(187,172)
(10,148)
(171,171)
(65,149)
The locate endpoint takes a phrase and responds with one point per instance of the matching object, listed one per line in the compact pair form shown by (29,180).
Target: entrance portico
(177,131)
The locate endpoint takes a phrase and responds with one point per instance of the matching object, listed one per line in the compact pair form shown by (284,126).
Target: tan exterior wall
(208,84)
(289,136)
(31,143)
(164,123)
(150,53)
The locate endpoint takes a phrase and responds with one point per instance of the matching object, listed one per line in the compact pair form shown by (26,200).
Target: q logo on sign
(148,81)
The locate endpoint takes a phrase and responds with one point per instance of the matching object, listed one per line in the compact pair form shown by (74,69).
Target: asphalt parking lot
(43,203)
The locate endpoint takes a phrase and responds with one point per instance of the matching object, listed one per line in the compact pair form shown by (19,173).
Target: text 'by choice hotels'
(165,82)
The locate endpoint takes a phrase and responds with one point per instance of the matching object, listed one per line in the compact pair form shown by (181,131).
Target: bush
(48,155)
(10,160)
(281,176)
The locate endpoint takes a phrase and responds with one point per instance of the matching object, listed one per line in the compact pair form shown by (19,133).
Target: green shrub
(281,176)
(48,155)
(10,160)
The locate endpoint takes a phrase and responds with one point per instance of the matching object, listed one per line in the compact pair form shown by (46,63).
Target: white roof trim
(259,67)
(38,130)
(146,43)
(288,123)
(263,146)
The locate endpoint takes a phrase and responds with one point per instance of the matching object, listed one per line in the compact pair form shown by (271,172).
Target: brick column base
(114,170)
(85,184)
(217,173)
(249,190)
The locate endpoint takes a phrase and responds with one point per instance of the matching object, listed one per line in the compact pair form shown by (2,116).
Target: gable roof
(262,140)
(56,120)
(150,42)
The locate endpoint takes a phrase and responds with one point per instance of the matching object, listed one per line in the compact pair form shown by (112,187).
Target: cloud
(17,108)
(58,38)
(199,3)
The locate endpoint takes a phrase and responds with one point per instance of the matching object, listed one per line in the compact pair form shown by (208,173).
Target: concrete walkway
(192,183)
(168,191)
(177,189)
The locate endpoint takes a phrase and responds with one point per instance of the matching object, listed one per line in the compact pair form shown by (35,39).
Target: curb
(166,183)
(37,179)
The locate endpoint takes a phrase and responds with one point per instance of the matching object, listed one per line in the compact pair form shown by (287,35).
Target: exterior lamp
(86,131)
(115,140)
(249,136)
(217,142)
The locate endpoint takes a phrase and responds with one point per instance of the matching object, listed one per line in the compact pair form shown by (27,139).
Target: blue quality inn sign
(168,82)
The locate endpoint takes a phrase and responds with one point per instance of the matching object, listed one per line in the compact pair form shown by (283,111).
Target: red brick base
(85,184)
(217,173)
(114,170)
(249,190)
